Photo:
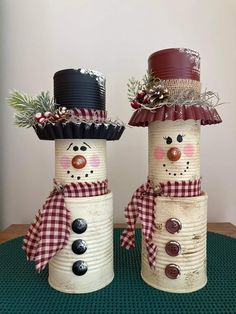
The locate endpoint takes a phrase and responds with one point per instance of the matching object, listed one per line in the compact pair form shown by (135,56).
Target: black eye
(75,148)
(168,140)
(180,138)
(83,148)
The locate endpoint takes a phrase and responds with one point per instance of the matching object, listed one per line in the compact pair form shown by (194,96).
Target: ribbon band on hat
(90,114)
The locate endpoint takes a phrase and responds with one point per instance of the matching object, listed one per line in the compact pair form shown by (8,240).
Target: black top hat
(79,95)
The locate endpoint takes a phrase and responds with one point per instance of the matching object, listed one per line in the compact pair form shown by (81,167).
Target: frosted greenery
(135,86)
(27,106)
(185,97)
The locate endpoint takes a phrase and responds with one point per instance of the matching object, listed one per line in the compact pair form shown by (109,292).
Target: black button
(172,271)
(79,246)
(79,225)
(173,248)
(173,225)
(79,268)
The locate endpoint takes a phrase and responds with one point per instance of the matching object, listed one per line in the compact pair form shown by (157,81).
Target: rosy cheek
(159,153)
(94,161)
(65,162)
(188,150)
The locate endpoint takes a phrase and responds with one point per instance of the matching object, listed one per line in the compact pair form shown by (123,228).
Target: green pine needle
(26,107)
(134,86)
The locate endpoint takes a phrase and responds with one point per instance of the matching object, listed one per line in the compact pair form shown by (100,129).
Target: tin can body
(180,236)
(85,264)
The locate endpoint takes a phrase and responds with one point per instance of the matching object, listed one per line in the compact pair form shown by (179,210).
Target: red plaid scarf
(50,231)
(142,205)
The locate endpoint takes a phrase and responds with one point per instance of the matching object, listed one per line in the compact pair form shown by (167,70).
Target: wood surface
(18,230)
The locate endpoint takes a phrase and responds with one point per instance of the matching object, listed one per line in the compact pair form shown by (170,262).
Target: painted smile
(78,177)
(175,173)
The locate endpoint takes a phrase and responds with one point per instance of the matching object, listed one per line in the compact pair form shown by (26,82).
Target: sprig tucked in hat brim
(50,121)
(159,100)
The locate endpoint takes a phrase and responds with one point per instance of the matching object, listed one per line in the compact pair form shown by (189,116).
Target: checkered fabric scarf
(142,205)
(50,231)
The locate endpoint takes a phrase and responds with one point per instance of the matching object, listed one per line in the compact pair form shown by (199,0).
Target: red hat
(172,90)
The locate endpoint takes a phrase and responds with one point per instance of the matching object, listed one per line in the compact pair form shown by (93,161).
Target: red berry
(135,104)
(41,120)
(47,114)
(141,94)
(38,116)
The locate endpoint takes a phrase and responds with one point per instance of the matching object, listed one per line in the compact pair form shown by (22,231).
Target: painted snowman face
(80,160)
(174,150)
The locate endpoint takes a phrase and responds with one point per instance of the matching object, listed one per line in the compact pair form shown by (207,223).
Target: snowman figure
(171,205)
(73,231)
(85,264)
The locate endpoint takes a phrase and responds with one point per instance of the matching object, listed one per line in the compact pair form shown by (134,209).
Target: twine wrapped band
(152,93)
(178,86)
(172,100)
(184,92)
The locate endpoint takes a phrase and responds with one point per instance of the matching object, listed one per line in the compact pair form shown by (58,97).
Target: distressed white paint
(95,156)
(162,170)
(97,211)
(192,213)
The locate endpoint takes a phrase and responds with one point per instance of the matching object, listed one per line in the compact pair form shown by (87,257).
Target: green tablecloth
(25,291)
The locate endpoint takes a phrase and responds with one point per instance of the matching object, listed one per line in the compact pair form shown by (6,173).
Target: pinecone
(157,93)
(62,114)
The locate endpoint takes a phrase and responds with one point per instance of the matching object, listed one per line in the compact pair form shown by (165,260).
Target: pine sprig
(151,80)
(44,102)
(151,93)
(135,86)
(26,107)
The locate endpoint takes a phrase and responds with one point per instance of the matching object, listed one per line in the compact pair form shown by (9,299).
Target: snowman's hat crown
(176,91)
(80,88)
(175,63)
(81,95)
